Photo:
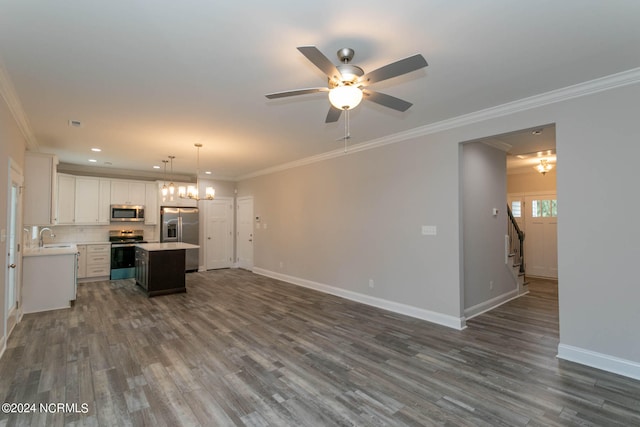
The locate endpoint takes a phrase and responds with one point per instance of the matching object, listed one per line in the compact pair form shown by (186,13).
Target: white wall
(345,220)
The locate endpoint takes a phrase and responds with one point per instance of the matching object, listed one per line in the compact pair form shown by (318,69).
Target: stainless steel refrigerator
(181,225)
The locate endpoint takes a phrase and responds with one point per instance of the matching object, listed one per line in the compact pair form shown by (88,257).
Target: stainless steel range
(123,252)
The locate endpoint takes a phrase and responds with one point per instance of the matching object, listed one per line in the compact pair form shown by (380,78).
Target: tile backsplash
(85,234)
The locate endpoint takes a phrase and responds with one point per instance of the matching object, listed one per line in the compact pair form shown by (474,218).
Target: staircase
(515,253)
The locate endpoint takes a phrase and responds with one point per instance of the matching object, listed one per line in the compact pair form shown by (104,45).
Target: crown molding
(601,84)
(10,96)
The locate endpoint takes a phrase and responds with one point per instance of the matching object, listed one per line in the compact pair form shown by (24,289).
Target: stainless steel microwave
(121,213)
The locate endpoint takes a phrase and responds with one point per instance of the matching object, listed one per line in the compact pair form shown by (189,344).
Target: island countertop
(151,247)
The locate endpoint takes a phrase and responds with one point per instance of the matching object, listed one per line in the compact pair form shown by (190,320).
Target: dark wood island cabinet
(160,267)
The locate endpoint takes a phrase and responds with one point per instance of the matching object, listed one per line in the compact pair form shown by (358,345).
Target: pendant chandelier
(172,188)
(165,189)
(192,192)
(543,167)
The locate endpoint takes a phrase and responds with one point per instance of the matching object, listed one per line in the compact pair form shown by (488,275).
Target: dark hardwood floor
(242,349)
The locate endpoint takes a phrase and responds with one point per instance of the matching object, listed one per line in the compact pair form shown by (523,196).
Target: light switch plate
(429,230)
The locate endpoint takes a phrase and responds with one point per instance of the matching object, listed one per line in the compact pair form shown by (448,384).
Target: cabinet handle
(12,266)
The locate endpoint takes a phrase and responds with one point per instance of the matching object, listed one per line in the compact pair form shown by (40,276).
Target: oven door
(123,261)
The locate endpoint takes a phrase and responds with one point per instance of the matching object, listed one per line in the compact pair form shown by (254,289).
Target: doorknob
(12,266)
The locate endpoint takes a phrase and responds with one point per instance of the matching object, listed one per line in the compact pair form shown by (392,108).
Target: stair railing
(516,241)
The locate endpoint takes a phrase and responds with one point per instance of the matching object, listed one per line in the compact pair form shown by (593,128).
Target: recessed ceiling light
(537,132)
(97,150)
(93,161)
(208,172)
(156,167)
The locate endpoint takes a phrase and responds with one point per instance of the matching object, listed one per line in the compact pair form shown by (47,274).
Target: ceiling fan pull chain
(346,128)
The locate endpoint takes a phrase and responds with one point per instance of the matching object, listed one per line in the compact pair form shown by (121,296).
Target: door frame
(522,222)
(10,319)
(239,263)
(231,218)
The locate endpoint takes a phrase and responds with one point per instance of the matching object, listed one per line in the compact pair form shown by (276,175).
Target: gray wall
(348,219)
(357,217)
(484,176)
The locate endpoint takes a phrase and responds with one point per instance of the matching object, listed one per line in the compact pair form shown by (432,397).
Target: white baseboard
(485,306)
(396,307)
(602,361)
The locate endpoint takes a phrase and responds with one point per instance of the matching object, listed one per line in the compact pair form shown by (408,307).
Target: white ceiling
(149,78)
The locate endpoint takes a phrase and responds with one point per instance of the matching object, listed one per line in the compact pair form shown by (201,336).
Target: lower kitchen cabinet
(94,261)
(48,282)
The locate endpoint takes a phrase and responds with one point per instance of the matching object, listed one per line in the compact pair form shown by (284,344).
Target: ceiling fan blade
(296,92)
(387,100)
(319,60)
(394,69)
(333,115)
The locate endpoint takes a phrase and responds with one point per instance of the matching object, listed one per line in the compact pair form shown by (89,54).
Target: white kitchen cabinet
(128,193)
(98,260)
(92,199)
(104,204)
(66,199)
(151,208)
(94,261)
(48,281)
(39,202)
(82,261)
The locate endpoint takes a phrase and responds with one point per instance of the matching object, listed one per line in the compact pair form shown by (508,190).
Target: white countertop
(165,246)
(52,249)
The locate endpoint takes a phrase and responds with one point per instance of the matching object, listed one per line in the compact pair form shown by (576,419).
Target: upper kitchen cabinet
(128,193)
(83,200)
(39,188)
(151,208)
(92,200)
(66,199)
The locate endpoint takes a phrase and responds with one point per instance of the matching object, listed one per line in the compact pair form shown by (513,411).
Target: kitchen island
(160,267)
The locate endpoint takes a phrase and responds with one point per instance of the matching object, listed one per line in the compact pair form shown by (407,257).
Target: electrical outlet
(371,284)
(491,285)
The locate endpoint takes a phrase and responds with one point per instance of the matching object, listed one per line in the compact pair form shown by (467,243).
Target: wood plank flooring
(241,349)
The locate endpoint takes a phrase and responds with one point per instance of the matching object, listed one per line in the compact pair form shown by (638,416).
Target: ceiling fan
(348,83)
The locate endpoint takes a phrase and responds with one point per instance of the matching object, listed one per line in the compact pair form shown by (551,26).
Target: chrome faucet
(41,241)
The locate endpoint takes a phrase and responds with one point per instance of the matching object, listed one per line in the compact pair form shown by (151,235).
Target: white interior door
(244,235)
(13,235)
(219,233)
(541,239)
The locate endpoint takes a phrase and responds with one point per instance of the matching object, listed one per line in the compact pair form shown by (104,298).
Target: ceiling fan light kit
(347,82)
(345,97)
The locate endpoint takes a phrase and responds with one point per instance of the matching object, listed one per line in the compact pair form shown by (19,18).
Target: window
(516,208)
(544,208)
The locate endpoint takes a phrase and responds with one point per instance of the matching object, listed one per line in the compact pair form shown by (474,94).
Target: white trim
(621,79)
(8,92)
(488,305)
(396,307)
(500,145)
(608,363)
